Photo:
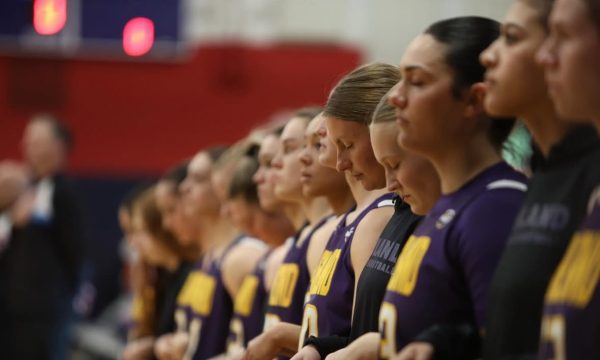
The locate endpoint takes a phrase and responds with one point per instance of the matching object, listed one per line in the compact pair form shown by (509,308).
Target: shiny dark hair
(465,38)
(594,11)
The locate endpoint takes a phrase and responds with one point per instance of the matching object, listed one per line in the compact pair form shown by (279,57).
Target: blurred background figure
(42,260)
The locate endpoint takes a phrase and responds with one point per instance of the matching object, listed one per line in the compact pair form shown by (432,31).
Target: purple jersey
(571,322)
(328,309)
(444,270)
(286,297)
(249,307)
(204,308)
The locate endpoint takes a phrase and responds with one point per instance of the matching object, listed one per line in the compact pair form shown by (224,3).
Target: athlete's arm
(317,245)
(281,339)
(238,263)
(274,260)
(363,348)
(451,341)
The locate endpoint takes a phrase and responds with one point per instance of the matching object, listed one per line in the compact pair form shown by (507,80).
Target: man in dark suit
(45,250)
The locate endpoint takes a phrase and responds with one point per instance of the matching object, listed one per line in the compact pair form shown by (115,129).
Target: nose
(305,157)
(488,57)
(397,97)
(545,55)
(184,187)
(343,163)
(277,162)
(391,182)
(259,176)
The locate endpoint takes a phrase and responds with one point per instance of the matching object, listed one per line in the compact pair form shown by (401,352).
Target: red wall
(132,118)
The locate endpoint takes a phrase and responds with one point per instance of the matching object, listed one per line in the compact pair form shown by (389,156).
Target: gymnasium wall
(133,120)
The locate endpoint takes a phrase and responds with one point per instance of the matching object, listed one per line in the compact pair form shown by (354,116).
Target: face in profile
(264,176)
(327,150)
(171,207)
(198,195)
(570,57)
(409,175)
(287,163)
(354,152)
(316,179)
(144,242)
(514,81)
(241,214)
(430,116)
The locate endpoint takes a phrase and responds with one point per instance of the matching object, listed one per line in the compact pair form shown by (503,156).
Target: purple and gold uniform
(204,308)
(328,309)
(286,297)
(571,322)
(249,307)
(444,271)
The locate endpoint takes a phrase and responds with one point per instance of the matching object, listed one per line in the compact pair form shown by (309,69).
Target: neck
(316,209)
(273,229)
(546,128)
(340,201)
(363,197)
(459,164)
(295,213)
(216,231)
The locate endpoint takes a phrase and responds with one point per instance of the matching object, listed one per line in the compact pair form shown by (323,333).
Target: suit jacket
(44,257)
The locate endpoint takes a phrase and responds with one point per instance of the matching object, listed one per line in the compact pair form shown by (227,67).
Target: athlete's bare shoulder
(274,260)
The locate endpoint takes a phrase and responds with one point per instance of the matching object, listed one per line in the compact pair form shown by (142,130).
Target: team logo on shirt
(348,234)
(445,219)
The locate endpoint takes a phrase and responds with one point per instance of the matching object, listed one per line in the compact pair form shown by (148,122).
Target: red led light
(138,36)
(49,16)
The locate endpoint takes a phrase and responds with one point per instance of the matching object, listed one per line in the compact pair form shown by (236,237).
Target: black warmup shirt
(170,285)
(553,207)
(373,279)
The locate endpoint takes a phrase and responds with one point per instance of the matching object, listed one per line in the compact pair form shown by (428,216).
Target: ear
(475,99)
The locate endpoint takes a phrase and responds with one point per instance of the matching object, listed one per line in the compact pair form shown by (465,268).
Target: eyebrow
(509,25)
(290,140)
(410,68)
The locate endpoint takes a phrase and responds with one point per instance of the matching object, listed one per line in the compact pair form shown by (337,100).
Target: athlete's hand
(171,346)
(308,352)
(262,347)
(139,349)
(416,351)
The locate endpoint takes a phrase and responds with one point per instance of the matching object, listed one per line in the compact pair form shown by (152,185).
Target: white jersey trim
(507,184)
(382,203)
(253,242)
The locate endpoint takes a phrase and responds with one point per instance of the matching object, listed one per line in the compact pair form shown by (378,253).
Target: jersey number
(193,329)
(310,322)
(387,329)
(553,332)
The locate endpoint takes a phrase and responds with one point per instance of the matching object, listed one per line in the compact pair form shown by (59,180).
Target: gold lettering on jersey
(321,284)
(245,296)
(405,275)
(577,275)
(198,292)
(282,290)
(137,308)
